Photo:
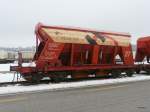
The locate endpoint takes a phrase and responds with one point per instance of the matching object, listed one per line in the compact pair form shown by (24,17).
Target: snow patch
(4,67)
(8,77)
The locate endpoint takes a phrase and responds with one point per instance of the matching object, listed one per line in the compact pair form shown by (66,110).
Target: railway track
(47,81)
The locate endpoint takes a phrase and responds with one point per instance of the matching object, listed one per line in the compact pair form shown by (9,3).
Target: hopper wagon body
(63,52)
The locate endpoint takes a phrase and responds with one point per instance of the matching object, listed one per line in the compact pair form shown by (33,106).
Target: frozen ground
(64,85)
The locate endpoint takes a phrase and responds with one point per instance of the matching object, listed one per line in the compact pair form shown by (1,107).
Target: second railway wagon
(142,54)
(63,52)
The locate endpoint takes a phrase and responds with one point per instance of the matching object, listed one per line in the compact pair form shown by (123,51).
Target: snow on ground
(5,77)
(67,85)
(4,67)
(8,77)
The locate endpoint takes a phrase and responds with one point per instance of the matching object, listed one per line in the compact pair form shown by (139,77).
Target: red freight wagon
(142,54)
(63,52)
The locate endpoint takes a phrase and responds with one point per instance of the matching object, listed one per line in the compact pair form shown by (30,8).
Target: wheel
(57,77)
(116,73)
(138,71)
(148,71)
(27,77)
(33,78)
(129,73)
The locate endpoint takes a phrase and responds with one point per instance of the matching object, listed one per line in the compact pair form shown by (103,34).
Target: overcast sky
(19,17)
